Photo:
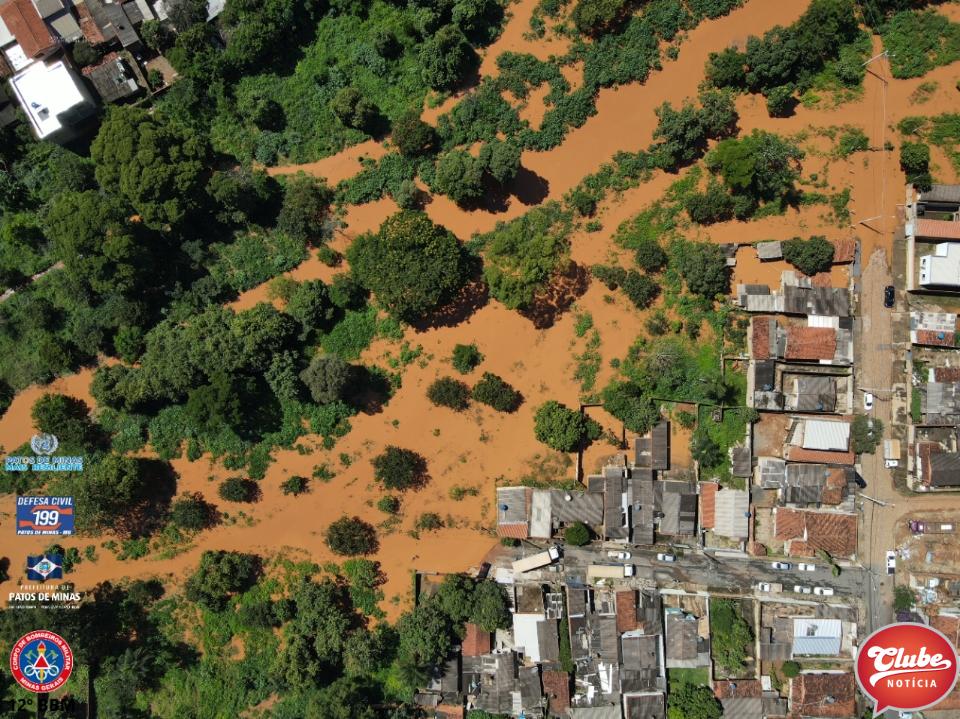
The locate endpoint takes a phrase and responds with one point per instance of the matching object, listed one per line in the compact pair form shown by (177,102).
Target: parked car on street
(666,557)
(823,591)
(889,296)
(772,587)
(619,555)
(891,562)
(784,566)
(804,567)
(868,401)
(802,589)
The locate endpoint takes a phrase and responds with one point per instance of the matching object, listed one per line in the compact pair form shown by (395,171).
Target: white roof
(16,57)
(540,515)
(525,634)
(732,507)
(828,436)
(820,637)
(942,267)
(823,321)
(46,92)
(6,37)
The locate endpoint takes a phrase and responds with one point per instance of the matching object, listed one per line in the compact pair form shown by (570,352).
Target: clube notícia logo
(906,666)
(43,459)
(41,661)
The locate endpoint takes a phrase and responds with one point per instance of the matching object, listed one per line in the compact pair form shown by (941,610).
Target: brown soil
(478,447)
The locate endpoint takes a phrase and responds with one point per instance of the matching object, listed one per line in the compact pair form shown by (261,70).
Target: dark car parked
(889,296)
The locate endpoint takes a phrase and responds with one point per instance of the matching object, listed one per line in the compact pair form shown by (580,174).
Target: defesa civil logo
(41,661)
(907,667)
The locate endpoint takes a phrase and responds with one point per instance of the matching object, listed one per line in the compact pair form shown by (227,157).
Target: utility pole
(879,502)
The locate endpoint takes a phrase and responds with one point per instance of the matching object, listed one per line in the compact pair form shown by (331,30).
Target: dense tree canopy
(158,167)
(411,265)
(562,428)
(809,256)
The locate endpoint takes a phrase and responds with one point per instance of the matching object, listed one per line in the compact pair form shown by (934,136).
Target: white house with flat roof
(52,96)
(942,268)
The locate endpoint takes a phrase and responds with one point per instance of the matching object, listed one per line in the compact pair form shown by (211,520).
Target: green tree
(350,536)
(158,166)
(809,256)
(689,701)
(703,267)
(465,358)
(790,669)
(649,255)
(488,607)
(296,485)
(220,575)
(780,101)
(713,205)
(243,196)
(642,290)
(412,265)
(353,109)
(577,534)
(704,449)
(762,166)
(492,390)
(398,468)
(445,58)
(501,159)
(237,489)
(903,598)
(732,638)
(459,176)
(426,634)
(68,418)
(112,493)
(156,35)
(596,16)
(305,210)
(412,136)
(327,378)
(319,628)
(915,162)
(449,392)
(682,133)
(865,434)
(628,402)
(524,255)
(562,428)
(191,512)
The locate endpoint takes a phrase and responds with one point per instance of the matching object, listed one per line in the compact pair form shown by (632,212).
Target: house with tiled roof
(933,329)
(823,340)
(805,532)
(808,485)
(556,689)
(823,694)
(476,642)
(936,467)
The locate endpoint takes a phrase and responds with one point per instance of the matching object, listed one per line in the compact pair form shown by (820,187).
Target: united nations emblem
(44,444)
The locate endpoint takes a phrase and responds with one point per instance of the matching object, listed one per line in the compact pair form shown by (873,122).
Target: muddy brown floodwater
(478,448)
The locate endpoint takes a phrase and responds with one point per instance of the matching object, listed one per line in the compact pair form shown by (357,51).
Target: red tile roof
(924,450)
(949,625)
(939,339)
(946,374)
(833,489)
(807,532)
(519,530)
(937,229)
(448,711)
(811,343)
(626,611)
(476,642)
(25,24)
(88,26)
(708,504)
(809,692)
(760,337)
(820,456)
(556,685)
(822,279)
(844,250)
(739,688)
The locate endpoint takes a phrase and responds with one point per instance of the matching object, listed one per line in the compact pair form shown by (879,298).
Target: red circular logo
(41,661)
(906,666)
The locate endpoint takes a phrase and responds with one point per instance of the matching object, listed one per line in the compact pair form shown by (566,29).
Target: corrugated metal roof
(820,434)
(732,507)
(541,518)
(769,250)
(644,706)
(612,712)
(941,193)
(572,506)
(816,637)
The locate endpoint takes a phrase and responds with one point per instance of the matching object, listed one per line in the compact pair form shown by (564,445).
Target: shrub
(703,267)
(790,669)
(389,504)
(466,358)
(350,536)
(501,159)
(353,109)
(903,598)
(296,485)
(428,521)
(327,378)
(459,176)
(577,534)
(641,289)
(220,575)
(865,434)
(493,391)
(397,468)
(190,511)
(704,449)
(449,392)
(649,255)
(809,256)
(562,428)
(780,101)
(612,277)
(851,141)
(413,136)
(713,205)
(915,163)
(237,489)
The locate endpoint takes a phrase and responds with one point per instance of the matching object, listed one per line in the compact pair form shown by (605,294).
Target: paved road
(719,574)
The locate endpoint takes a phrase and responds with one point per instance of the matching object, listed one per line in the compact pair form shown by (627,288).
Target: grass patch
(699,676)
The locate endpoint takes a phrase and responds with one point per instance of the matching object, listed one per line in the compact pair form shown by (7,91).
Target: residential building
(823,694)
(24,36)
(112,78)
(805,532)
(933,329)
(53,97)
(725,511)
(816,637)
(797,296)
(820,441)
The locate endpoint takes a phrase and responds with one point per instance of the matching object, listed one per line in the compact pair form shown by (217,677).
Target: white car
(891,463)
(786,566)
(823,591)
(868,401)
(801,589)
(763,586)
(619,555)
(891,562)
(804,567)
(664,557)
